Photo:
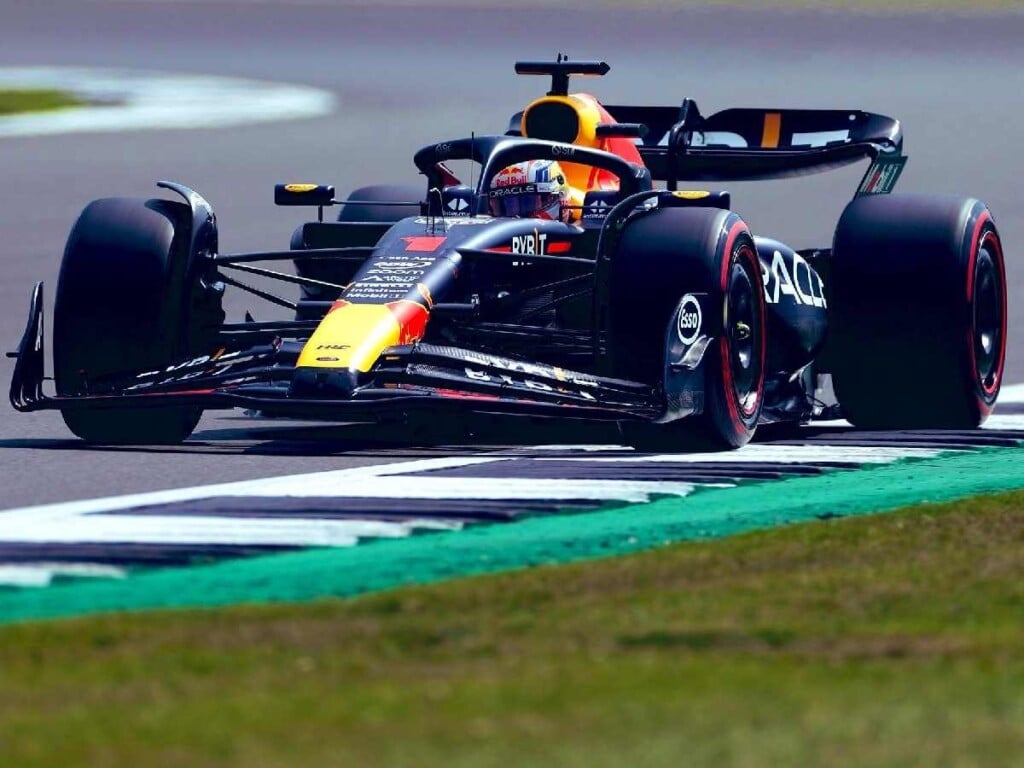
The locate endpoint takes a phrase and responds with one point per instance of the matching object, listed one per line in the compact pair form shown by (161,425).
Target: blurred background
(403,75)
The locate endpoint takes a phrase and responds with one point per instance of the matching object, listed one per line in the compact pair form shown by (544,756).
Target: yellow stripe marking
(772,129)
(351,336)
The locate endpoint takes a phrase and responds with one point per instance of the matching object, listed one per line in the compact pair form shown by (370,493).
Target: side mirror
(303,194)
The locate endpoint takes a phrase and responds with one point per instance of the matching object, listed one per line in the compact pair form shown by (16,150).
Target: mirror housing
(303,194)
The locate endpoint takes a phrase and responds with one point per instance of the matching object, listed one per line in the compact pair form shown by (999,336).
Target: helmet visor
(525,204)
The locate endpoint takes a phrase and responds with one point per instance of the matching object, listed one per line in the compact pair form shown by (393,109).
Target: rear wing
(678,143)
(753,144)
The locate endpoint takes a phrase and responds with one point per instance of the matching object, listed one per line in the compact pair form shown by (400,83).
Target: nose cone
(323,382)
(348,342)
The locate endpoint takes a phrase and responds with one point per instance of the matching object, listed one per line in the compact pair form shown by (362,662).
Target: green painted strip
(16,101)
(386,564)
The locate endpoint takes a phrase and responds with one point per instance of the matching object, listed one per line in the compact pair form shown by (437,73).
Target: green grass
(17,100)
(891,640)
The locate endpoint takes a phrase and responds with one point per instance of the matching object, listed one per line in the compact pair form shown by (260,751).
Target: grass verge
(891,640)
(14,101)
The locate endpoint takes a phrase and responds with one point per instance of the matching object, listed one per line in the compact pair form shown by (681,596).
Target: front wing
(407,378)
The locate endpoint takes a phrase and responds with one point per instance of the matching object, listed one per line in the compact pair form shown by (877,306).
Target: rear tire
(661,256)
(122,306)
(918,312)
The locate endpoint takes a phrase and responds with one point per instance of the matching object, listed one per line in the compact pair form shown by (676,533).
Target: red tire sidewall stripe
(739,227)
(977,240)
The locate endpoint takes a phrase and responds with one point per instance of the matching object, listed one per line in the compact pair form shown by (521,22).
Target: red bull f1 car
(650,305)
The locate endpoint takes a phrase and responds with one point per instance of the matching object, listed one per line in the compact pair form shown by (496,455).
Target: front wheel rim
(988,320)
(743,333)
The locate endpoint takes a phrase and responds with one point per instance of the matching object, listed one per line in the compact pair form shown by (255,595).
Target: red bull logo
(510,177)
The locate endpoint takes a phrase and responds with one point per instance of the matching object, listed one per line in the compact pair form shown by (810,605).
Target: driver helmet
(535,189)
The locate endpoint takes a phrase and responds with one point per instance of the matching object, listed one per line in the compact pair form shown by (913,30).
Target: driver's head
(534,189)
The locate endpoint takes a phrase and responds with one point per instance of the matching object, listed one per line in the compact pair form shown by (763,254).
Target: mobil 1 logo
(689,320)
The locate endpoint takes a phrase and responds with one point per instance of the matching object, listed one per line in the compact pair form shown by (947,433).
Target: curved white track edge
(132,100)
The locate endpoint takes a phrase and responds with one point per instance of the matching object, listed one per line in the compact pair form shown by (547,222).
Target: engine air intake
(552,121)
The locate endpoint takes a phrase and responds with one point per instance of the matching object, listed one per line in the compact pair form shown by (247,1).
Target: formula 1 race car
(655,308)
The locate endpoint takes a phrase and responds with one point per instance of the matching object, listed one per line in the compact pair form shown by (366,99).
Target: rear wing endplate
(882,174)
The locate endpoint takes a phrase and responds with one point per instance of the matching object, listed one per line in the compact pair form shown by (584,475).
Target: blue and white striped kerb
(106,537)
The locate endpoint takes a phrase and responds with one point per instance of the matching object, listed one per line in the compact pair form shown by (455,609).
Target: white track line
(1005,421)
(426,487)
(131,100)
(42,574)
(1012,394)
(782,454)
(157,529)
(332,483)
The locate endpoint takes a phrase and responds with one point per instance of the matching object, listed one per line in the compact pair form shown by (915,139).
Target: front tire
(918,312)
(734,395)
(122,306)
(662,255)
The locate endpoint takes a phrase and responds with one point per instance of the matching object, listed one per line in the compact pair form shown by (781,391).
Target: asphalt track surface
(408,76)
